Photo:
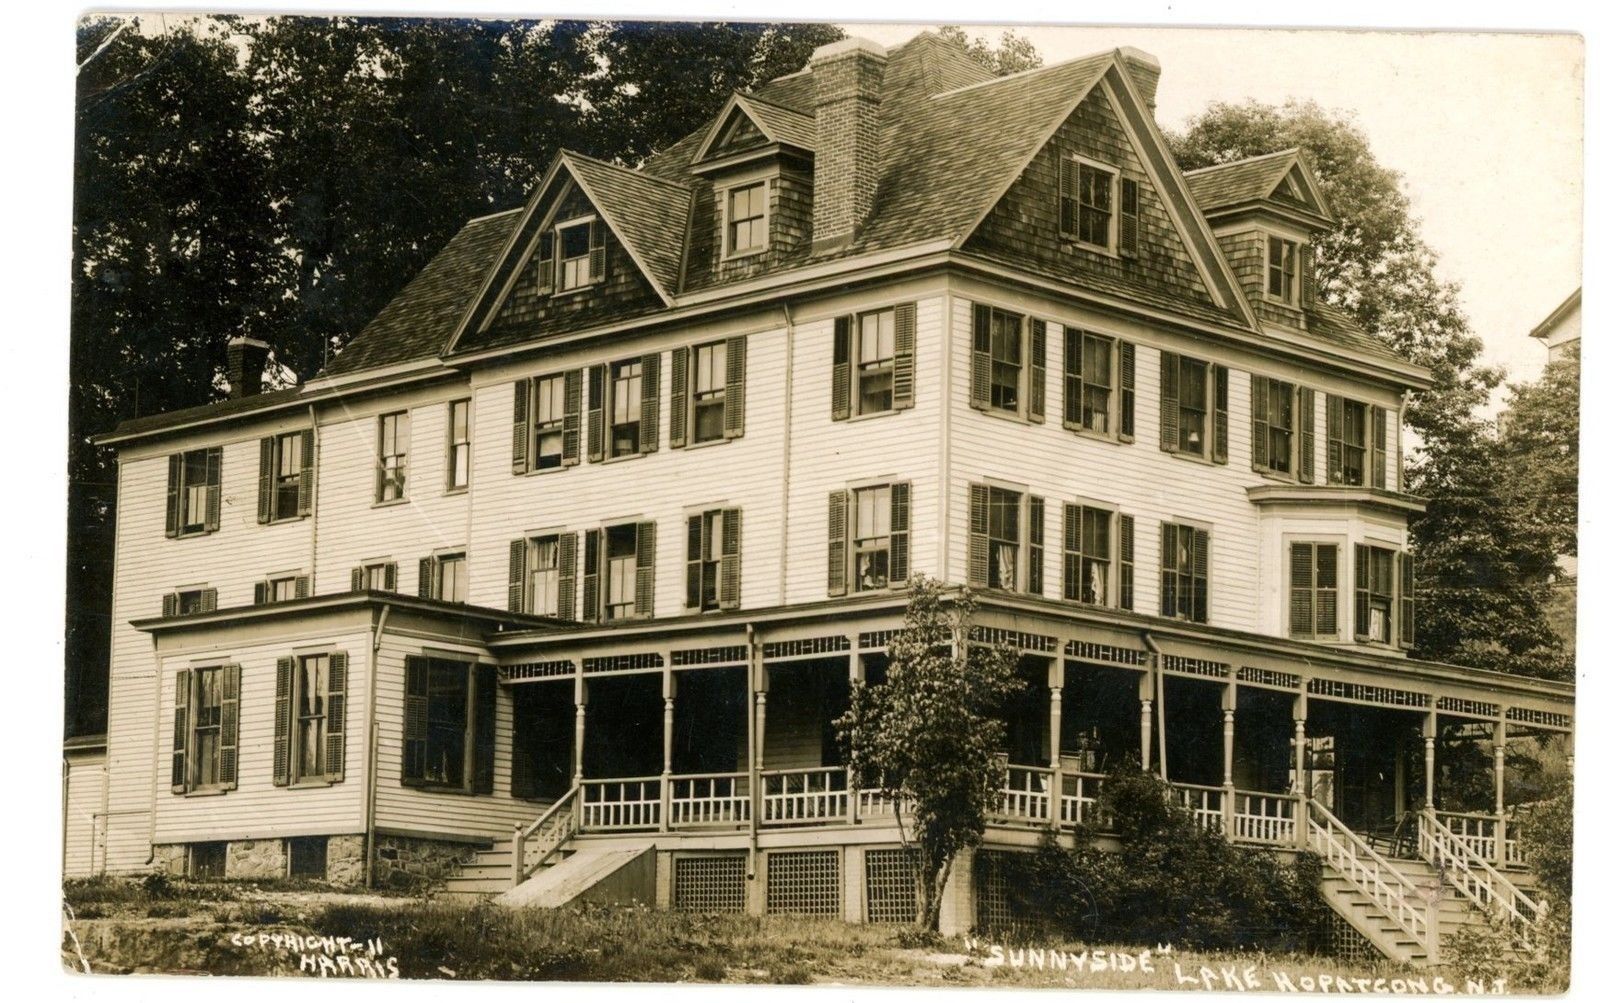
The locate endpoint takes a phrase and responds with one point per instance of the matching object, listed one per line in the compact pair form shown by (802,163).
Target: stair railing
(531,846)
(1393,893)
(1474,876)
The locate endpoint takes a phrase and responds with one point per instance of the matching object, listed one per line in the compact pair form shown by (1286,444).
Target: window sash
(193,491)
(572,243)
(621,571)
(1354,449)
(710,391)
(445,740)
(281,589)
(205,730)
(874,344)
(1005,361)
(460,443)
(452,578)
(1097,380)
(1094,205)
(549,409)
(871,539)
(627,390)
(1192,406)
(544,576)
(747,218)
(1005,538)
(1280,268)
(1280,426)
(394,436)
(311,716)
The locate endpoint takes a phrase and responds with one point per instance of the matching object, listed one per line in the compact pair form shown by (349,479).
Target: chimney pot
(849,86)
(247,358)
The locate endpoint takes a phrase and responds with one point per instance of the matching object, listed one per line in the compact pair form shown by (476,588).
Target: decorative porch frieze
(876,640)
(806,647)
(731,654)
(1338,689)
(632,661)
(1543,718)
(1018,639)
(1105,654)
(1195,666)
(1469,708)
(522,671)
(1257,676)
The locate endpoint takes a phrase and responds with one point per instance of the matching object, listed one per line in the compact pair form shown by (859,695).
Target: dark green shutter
(282,711)
(486,686)
(733,408)
(905,355)
(180,733)
(1380,448)
(174,493)
(1036,369)
(358,578)
(597,413)
(1036,545)
(571,417)
(214,489)
(1067,195)
(1408,600)
(1327,590)
(414,725)
(1335,439)
(302,586)
(517,576)
(308,471)
(591,574)
(1202,575)
(650,402)
(391,576)
(208,600)
(1260,422)
(982,356)
(1125,559)
(678,400)
(1169,569)
(692,564)
(263,593)
(1072,381)
(1125,371)
(264,504)
(597,251)
(228,736)
(1363,590)
(729,570)
(841,368)
(900,533)
(338,688)
(567,576)
(521,391)
(978,536)
(1128,230)
(1308,277)
(547,263)
(1169,402)
(1071,551)
(425,568)
(1219,414)
(644,568)
(1308,435)
(838,530)
(1301,590)
(169,604)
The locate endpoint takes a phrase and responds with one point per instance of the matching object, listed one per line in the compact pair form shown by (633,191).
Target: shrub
(1172,881)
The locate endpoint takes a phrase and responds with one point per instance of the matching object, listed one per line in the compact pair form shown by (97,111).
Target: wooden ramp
(589,875)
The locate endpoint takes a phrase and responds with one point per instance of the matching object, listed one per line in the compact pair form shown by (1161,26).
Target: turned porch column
(1500,789)
(1146,719)
(1430,731)
(858,674)
(1057,677)
(669,690)
(580,698)
(1230,701)
(1297,776)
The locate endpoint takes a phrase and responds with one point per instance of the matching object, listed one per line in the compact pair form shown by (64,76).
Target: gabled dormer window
(746,219)
(1283,282)
(572,255)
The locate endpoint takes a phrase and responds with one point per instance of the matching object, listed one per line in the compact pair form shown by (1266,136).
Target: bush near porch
(1172,881)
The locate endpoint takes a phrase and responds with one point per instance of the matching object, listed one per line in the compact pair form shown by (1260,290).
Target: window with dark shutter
(1125,374)
(338,689)
(978,536)
(591,575)
(1125,562)
(899,533)
(448,728)
(567,576)
(425,577)
(414,725)
(516,580)
(1314,591)
(841,368)
(521,395)
(1380,448)
(678,400)
(281,711)
(1086,549)
(1375,594)
(649,405)
(838,529)
(1169,402)
(1307,464)
(1363,592)
(547,263)
(194,492)
(730,570)
(485,690)
(228,742)
(1408,598)
(1072,380)
(905,355)
(1035,545)
(1273,423)
(571,419)
(982,355)
(1128,222)
(733,420)
(696,562)
(1092,390)
(1185,571)
(713,578)
(1036,369)
(597,413)
(1335,439)
(1219,415)
(1067,196)
(180,732)
(644,592)
(1308,277)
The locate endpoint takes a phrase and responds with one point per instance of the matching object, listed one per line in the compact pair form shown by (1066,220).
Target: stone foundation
(408,862)
(257,858)
(171,858)
(347,860)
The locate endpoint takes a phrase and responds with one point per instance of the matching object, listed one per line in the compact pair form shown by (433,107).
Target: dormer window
(572,255)
(573,240)
(747,219)
(1283,283)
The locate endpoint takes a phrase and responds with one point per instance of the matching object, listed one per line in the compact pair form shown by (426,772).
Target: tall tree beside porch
(931,735)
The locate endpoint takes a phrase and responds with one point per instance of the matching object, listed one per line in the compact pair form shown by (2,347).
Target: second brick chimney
(247,357)
(848,79)
(1146,72)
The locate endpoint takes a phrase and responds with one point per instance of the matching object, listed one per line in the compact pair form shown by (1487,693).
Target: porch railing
(1264,818)
(706,800)
(1026,796)
(619,804)
(1364,867)
(1205,803)
(804,796)
(1078,794)
(532,846)
(1476,878)
(1483,833)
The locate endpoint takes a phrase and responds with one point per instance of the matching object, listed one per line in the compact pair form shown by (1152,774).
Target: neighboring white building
(1563,327)
(599,518)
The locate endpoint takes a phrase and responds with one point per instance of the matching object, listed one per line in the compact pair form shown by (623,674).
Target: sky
(1486,129)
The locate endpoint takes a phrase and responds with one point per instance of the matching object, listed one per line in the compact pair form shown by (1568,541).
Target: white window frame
(452,446)
(695,390)
(725,215)
(1113,234)
(558,260)
(436,591)
(1291,295)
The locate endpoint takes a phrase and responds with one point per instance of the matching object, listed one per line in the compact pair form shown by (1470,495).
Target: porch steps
(589,875)
(1453,910)
(487,875)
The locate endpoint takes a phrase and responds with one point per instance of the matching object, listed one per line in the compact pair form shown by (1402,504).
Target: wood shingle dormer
(757,158)
(1266,211)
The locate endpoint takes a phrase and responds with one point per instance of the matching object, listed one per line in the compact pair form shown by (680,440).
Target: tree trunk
(931,879)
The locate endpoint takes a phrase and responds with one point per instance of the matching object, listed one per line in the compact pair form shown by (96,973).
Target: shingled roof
(650,214)
(1254,179)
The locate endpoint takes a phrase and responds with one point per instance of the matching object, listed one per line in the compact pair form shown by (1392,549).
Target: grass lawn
(277,928)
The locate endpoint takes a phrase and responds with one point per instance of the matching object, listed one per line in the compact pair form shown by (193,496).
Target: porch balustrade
(1264,818)
(710,800)
(1492,837)
(620,804)
(1207,804)
(804,796)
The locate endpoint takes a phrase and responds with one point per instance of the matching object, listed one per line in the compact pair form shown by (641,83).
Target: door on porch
(542,729)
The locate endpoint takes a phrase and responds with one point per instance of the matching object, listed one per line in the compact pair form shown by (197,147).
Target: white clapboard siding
(664,486)
(257,809)
(828,455)
(149,565)
(409,809)
(85,809)
(1137,478)
(353,528)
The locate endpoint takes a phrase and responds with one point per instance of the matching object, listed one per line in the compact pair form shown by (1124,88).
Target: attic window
(572,256)
(573,240)
(1282,282)
(747,219)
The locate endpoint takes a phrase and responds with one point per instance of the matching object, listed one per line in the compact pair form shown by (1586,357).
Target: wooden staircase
(511,860)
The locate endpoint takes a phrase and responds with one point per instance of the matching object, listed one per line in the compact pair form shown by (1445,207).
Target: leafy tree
(1541,440)
(1013,55)
(1482,565)
(930,735)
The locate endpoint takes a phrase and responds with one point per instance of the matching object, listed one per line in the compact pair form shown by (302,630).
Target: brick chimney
(1146,72)
(247,357)
(849,82)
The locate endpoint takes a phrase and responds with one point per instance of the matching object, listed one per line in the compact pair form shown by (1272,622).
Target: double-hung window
(627,379)
(544,576)
(194,492)
(710,390)
(1097,393)
(1185,571)
(186,602)
(1314,591)
(572,255)
(713,579)
(205,729)
(459,462)
(1098,205)
(1097,550)
(572,241)
(1282,282)
(619,572)
(1005,543)
(874,360)
(549,423)
(285,489)
(282,588)
(1094,205)
(448,735)
(624,407)
(1194,407)
(394,447)
(207,712)
(1375,594)
(874,377)
(452,577)
(707,402)
(311,717)
(747,219)
(869,538)
(1008,358)
(1347,441)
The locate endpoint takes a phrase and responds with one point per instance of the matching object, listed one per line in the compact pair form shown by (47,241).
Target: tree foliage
(931,735)
(1483,559)
(283,177)
(1013,55)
